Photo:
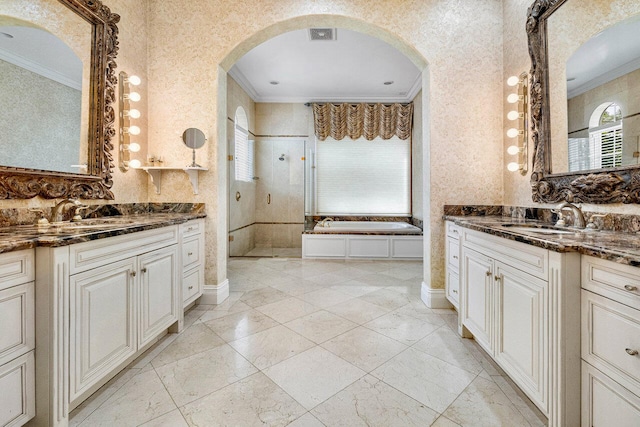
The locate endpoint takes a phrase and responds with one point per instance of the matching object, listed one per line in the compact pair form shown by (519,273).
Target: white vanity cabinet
(17,338)
(192,243)
(99,305)
(452,255)
(518,302)
(610,343)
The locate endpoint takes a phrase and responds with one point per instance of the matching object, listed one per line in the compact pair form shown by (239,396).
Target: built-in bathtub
(367,227)
(363,240)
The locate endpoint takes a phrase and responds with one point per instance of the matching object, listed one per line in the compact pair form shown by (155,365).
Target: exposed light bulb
(135,163)
(134,80)
(134,147)
(134,114)
(134,130)
(513,115)
(513,150)
(134,96)
(513,98)
(512,133)
(513,166)
(513,80)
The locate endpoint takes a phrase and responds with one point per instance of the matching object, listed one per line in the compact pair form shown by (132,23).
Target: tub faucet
(325,222)
(578,220)
(57,209)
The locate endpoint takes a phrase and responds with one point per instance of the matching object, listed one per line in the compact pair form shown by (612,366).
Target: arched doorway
(299,23)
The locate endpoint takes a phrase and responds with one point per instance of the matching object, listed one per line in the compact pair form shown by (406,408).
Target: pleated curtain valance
(362,120)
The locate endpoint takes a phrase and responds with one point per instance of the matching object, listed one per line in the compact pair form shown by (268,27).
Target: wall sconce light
(518,133)
(126,114)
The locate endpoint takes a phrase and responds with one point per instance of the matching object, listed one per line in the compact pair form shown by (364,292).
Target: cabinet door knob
(488,273)
(190,287)
(144,269)
(497,278)
(630,288)
(631,352)
(455,257)
(133,274)
(190,253)
(454,291)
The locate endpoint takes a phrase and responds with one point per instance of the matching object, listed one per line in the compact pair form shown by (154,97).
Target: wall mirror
(194,139)
(585,101)
(57,59)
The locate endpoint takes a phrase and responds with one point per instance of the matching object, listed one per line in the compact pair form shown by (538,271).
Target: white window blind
(363,177)
(244,158)
(579,155)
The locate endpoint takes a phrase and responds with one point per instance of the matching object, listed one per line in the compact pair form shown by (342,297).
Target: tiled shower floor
(275,252)
(313,343)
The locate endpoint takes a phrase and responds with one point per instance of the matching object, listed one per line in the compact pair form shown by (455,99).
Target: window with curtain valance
(355,121)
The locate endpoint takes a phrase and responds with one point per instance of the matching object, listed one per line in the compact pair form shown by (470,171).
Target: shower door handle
(269,198)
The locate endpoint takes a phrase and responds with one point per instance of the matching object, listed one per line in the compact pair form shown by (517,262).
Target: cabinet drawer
(192,228)
(615,281)
(453,230)
(453,288)
(191,282)
(17,327)
(16,268)
(453,254)
(611,339)
(17,382)
(96,253)
(191,255)
(603,401)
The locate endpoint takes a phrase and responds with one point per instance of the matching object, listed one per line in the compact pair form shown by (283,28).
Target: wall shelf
(155,172)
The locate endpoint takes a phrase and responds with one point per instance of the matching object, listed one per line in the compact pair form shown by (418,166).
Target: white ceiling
(606,56)
(352,68)
(41,52)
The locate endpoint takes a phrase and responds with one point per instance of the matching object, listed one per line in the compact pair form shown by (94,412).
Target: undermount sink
(538,229)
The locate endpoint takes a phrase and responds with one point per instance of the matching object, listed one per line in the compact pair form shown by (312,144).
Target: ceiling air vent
(320,34)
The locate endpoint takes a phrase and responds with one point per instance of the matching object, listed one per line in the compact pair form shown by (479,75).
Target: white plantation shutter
(244,159)
(363,177)
(606,146)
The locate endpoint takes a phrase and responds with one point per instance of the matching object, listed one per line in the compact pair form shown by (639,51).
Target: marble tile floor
(310,343)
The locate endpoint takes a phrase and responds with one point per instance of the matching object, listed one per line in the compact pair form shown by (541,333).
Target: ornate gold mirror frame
(19,183)
(615,185)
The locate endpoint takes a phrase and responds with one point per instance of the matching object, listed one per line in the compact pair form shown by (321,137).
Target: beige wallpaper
(590,17)
(460,40)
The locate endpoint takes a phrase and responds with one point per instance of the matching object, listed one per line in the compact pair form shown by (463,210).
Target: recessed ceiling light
(7,35)
(388,83)
(274,82)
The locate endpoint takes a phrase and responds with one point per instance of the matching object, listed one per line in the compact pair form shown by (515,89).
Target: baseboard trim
(434,298)
(215,294)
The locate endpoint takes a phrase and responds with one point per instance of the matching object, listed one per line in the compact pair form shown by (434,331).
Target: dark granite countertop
(19,237)
(620,247)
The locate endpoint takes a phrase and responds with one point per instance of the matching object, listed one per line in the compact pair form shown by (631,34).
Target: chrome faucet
(58,208)
(578,217)
(325,222)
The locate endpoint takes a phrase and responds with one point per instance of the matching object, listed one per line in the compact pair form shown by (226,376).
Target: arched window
(244,158)
(605,136)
